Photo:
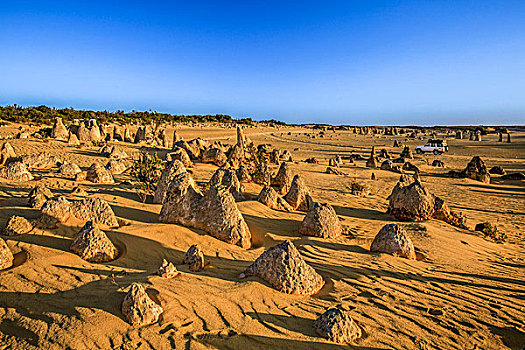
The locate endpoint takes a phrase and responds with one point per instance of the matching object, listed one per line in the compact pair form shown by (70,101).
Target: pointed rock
(59,131)
(117,166)
(38,196)
(181,155)
(69,169)
(299,195)
(138,308)
(72,139)
(215,212)
(227,179)
(407,153)
(284,178)
(215,156)
(7,151)
(476,170)
(167,270)
(411,202)
(269,197)
(321,221)
(283,267)
(337,326)
(98,174)
(393,239)
(92,244)
(172,168)
(194,257)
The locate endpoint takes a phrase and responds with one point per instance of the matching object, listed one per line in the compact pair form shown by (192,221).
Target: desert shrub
(147,170)
(258,167)
(491,232)
(44,132)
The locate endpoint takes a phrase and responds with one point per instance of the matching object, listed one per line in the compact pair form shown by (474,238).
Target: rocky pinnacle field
(434,282)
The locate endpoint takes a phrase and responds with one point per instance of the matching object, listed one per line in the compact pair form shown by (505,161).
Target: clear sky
(349,62)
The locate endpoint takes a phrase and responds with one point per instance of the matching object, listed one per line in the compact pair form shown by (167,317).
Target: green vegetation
(147,170)
(46,115)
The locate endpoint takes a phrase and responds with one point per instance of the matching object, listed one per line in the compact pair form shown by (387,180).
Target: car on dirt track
(434,146)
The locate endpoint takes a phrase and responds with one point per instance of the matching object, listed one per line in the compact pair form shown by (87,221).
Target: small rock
(92,244)
(17,225)
(194,258)
(167,270)
(393,239)
(6,256)
(138,308)
(337,326)
(321,221)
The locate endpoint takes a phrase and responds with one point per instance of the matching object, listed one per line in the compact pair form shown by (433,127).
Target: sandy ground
(465,292)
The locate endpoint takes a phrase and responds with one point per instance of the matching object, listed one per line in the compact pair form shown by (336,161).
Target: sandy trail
(465,292)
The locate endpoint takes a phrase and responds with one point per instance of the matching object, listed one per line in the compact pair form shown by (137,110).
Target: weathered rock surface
(92,244)
(38,196)
(407,153)
(283,267)
(410,201)
(475,170)
(214,212)
(69,169)
(215,156)
(6,256)
(194,257)
(393,239)
(410,167)
(138,308)
(16,171)
(359,190)
(172,168)
(181,155)
(7,151)
(41,160)
(269,197)
(298,195)
(167,270)
(98,174)
(228,179)
(59,130)
(17,225)
(117,166)
(88,209)
(321,221)
(337,326)
(72,139)
(498,170)
(438,163)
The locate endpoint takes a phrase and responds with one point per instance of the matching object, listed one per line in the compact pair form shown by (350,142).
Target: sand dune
(464,292)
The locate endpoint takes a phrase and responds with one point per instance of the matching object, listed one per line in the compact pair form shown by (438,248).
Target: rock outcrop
(38,196)
(215,156)
(138,308)
(98,174)
(117,166)
(321,221)
(6,256)
(393,239)
(92,244)
(498,170)
(69,169)
(41,160)
(172,169)
(194,258)
(298,195)
(337,326)
(335,171)
(410,201)
(269,197)
(59,130)
(181,155)
(283,267)
(16,171)
(6,152)
(476,170)
(214,212)
(227,178)
(88,209)
(72,139)
(17,225)
(167,270)
(407,153)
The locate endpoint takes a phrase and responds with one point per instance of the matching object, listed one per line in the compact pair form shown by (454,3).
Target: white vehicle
(434,146)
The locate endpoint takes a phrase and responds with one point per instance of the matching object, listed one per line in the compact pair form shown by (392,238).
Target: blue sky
(348,62)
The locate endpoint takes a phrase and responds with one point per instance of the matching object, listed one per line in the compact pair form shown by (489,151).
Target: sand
(464,292)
